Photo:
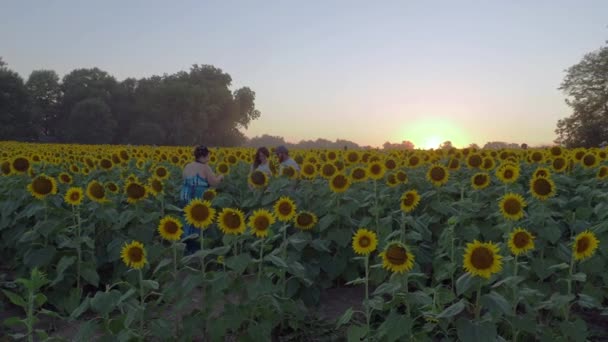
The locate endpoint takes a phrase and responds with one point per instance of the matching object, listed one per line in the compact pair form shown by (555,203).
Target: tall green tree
(91,122)
(586,88)
(15,118)
(45,98)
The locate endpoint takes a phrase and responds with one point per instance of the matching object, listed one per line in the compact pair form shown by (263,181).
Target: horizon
(467,72)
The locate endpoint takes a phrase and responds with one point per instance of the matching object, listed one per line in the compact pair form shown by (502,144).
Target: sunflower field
(443,245)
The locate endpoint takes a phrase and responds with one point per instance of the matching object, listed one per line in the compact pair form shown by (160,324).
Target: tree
(146,133)
(586,88)
(45,96)
(90,122)
(404,145)
(15,118)
(446,145)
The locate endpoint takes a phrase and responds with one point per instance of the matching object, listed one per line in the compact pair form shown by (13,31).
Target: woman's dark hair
(256,159)
(200,151)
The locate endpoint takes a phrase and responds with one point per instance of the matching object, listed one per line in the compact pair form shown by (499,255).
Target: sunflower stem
(515,296)
(174,247)
(407,290)
(367,311)
(403,227)
(570,271)
(377,210)
(477,302)
(78,246)
(284,255)
(261,260)
(202,240)
(142,303)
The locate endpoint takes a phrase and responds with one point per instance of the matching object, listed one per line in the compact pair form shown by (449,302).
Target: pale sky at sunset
(366,71)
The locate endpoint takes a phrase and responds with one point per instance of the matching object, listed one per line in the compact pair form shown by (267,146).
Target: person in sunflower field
(261,163)
(282,154)
(197,178)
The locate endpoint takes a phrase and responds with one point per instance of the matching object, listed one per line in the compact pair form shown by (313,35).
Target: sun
(432,142)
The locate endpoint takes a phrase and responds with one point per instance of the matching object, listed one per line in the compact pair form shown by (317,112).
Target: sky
(369,72)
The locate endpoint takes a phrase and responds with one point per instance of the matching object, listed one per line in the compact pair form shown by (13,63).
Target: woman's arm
(211,177)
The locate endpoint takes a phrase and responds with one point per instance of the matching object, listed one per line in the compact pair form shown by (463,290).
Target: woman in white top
(260,161)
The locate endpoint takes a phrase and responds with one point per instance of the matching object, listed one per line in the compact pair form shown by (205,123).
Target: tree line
(90,106)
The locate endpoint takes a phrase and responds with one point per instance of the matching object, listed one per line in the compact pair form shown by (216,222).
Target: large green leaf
(62,266)
(395,326)
(453,310)
(238,263)
(475,331)
(39,257)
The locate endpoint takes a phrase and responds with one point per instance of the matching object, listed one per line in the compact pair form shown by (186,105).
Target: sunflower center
(21,164)
(375,169)
(352,157)
(171,227)
(328,170)
(309,169)
(408,199)
(258,178)
(136,191)
(414,161)
(97,191)
(589,160)
(401,176)
(541,173)
(157,185)
(508,174)
(161,172)
(358,173)
(232,221)
(559,163)
(42,186)
(65,178)
(521,239)
(542,186)
(6,168)
(482,258)
(112,187)
(556,151)
(603,172)
(475,160)
(199,212)
(453,164)
(105,164)
(208,195)
(339,182)
(582,245)
(512,206)
(304,219)
(396,255)
(536,156)
(74,196)
(390,164)
(479,180)
(136,254)
(223,168)
(365,241)
(438,174)
(261,223)
(285,208)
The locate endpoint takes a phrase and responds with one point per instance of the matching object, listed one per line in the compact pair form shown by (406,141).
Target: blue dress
(193,187)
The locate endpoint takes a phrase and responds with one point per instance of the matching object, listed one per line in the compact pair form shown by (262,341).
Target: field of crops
(445,245)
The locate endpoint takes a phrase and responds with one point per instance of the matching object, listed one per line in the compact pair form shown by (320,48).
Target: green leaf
(326,221)
(13,321)
(86,331)
(105,302)
(509,281)
(341,237)
(357,281)
(64,263)
(40,299)
(588,302)
(580,277)
(345,318)
(474,331)
(464,283)
(395,326)
(89,273)
(299,240)
(150,284)
(575,331)
(39,257)
(15,298)
(260,331)
(562,266)
(161,264)
(84,306)
(526,324)
(276,261)
(321,245)
(355,333)
(238,263)
(162,329)
(453,310)
(495,302)
(387,288)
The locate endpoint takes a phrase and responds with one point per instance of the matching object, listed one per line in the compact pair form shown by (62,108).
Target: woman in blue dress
(198,177)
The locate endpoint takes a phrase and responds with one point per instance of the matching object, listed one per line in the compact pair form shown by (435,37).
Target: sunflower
(358,174)
(541,172)
(339,183)
(537,157)
(508,173)
(352,157)
(106,164)
(65,178)
(396,258)
(409,200)
(556,151)
(413,161)
(480,180)
(438,175)
(257,179)
(161,172)
(21,165)
(5,168)
(170,228)
(134,255)
(199,213)
(474,160)
(391,180)
(590,160)
(42,186)
(309,170)
(231,221)
(376,170)
(542,188)
(454,164)
(364,241)
(328,170)
(260,222)
(305,220)
(488,163)
(289,172)
(584,245)
(390,164)
(512,206)
(74,196)
(223,168)
(112,187)
(155,186)
(520,241)
(135,192)
(482,259)
(209,195)
(285,209)
(559,164)
(602,172)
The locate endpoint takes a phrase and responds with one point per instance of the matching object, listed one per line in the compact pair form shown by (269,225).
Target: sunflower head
(134,255)
(438,175)
(74,196)
(135,191)
(542,188)
(508,173)
(376,170)
(512,206)
(401,177)
(585,245)
(474,160)
(480,180)
(482,259)
(590,160)
(520,241)
(541,172)
(155,186)
(285,209)
(5,168)
(231,221)
(396,258)
(258,179)
(414,161)
(209,195)
(602,172)
(305,220)
(289,172)
(223,168)
(339,183)
(358,174)
(21,165)
(559,164)
(328,170)
(260,222)
(65,178)
(170,228)
(112,187)
(454,164)
(309,170)
(199,213)
(161,172)
(42,186)
(409,200)
(364,241)
(105,164)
